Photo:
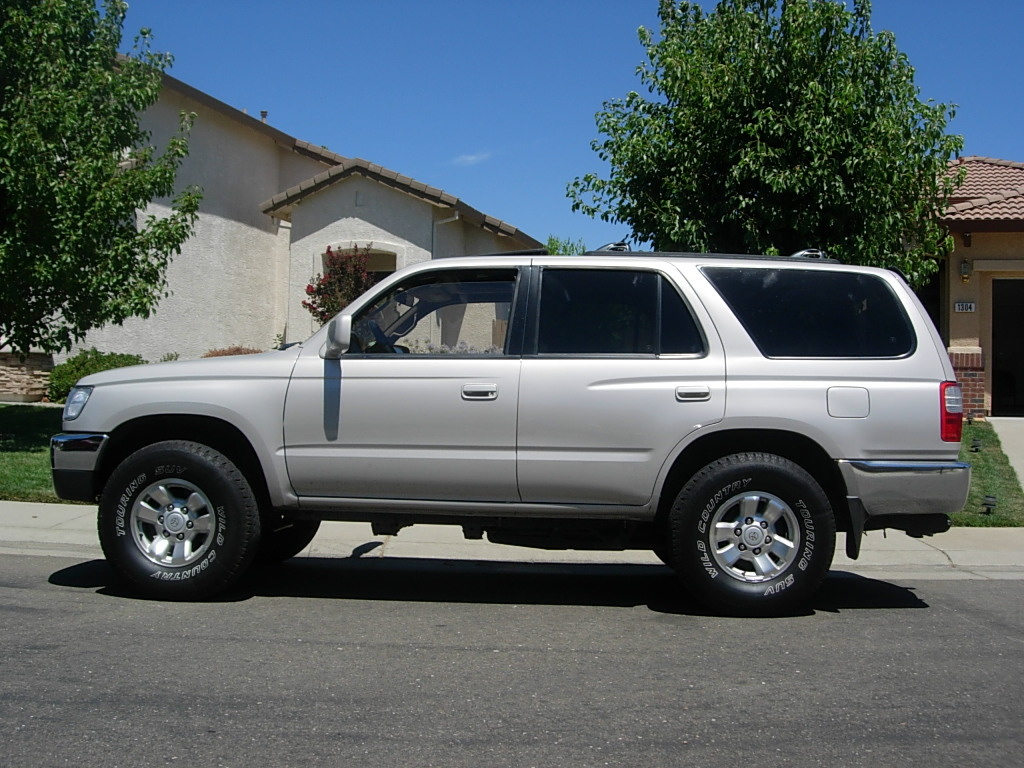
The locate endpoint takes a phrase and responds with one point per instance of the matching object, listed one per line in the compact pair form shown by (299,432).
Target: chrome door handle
(479,391)
(693,394)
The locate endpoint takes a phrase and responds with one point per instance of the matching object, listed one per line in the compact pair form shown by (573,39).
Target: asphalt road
(404,662)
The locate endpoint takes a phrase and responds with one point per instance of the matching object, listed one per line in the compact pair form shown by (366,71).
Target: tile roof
(992,192)
(282,204)
(341,167)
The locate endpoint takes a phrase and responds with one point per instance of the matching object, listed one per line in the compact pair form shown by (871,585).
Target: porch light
(966,271)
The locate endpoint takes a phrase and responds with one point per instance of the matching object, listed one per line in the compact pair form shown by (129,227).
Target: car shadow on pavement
(496,582)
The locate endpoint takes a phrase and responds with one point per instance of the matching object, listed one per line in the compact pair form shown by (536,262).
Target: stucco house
(272,204)
(978,301)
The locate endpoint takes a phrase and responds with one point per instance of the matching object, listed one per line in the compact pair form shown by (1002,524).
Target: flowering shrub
(235,350)
(345,277)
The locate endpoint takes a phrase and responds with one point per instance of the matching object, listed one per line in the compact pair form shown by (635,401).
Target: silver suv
(730,413)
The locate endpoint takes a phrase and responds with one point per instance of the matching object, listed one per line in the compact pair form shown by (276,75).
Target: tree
(77,172)
(566,247)
(346,277)
(774,126)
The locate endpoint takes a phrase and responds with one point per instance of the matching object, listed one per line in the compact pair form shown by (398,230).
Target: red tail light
(951,409)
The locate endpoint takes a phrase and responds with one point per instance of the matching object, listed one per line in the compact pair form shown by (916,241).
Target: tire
(753,534)
(178,521)
(285,539)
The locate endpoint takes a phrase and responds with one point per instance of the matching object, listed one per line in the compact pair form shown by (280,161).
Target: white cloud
(473,159)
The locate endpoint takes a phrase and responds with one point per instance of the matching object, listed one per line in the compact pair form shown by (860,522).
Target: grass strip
(25,466)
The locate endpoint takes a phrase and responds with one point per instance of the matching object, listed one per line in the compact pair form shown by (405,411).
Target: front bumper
(74,458)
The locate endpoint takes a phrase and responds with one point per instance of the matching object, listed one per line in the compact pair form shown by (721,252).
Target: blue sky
(494,100)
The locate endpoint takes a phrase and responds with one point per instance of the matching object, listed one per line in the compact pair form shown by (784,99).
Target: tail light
(951,404)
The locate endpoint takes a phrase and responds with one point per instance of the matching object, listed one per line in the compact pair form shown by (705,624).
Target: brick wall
(24,382)
(970,372)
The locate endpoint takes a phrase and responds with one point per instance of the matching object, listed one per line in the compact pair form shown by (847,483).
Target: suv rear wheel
(753,534)
(178,521)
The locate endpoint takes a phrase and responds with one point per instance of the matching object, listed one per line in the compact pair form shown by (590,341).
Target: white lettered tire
(752,534)
(178,521)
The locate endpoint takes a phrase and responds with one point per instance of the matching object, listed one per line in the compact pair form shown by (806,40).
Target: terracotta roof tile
(993,191)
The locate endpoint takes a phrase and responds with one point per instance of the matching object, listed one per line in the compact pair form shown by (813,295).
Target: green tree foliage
(565,247)
(346,276)
(76,173)
(773,126)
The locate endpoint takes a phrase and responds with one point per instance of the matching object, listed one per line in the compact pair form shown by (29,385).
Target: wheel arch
(799,449)
(215,433)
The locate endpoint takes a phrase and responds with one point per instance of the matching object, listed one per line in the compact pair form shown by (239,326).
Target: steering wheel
(380,338)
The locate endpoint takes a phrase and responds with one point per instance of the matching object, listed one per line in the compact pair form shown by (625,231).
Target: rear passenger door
(617,372)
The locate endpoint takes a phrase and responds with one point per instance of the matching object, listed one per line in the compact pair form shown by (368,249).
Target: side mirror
(339,336)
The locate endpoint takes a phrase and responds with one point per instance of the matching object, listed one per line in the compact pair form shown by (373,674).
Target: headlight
(77,398)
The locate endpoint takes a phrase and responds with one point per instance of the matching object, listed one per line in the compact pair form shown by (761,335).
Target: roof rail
(809,253)
(523,252)
(620,247)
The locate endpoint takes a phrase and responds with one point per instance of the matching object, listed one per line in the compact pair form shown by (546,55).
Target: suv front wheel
(753,534)
(178,521)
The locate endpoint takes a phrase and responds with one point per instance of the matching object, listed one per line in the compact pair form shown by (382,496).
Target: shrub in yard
(236,350)
(346,276)
(64,376)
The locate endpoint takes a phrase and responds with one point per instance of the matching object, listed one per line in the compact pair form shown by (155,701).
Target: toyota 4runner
(731,413)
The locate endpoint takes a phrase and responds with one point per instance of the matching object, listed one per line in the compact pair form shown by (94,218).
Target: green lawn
(25,452)
(25,466)
(991,475)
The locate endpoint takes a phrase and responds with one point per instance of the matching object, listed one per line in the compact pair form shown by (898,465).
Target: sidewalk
(1011,436)
(69,530)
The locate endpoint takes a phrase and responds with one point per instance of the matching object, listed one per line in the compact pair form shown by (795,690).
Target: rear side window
(811,313)
(614,312)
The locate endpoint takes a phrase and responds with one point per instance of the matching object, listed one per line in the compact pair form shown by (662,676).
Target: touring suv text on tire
(731,413)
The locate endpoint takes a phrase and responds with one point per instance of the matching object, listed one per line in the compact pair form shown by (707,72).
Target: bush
(64,376)
(236,350)
(345,278)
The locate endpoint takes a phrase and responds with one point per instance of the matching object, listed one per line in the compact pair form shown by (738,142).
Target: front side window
(613,312)
(455,312)
(812,313)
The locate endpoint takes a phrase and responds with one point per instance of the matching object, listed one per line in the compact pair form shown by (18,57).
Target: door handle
(693,394)
(479,391)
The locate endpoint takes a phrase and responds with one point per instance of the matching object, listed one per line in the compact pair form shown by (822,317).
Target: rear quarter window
(816,313)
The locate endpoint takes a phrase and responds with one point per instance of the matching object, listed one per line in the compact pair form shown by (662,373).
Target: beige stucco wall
(229,284)
(241,278)
(361,212)
(991,255)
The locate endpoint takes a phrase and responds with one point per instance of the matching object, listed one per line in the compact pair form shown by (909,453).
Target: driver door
(422,406)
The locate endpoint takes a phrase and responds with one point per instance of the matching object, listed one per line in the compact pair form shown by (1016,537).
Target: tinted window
(810,313)
(616,312)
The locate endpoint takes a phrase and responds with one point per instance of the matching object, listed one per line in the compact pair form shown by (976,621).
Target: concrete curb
(69,530)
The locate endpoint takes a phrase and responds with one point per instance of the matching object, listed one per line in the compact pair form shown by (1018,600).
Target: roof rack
(615,249)
(523,252)
(620,247)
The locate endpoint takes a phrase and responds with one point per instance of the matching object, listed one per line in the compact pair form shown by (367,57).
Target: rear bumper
(74,458)
(897,490)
